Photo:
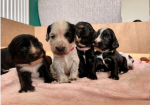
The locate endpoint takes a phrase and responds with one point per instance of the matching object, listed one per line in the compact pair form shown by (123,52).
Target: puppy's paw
(122,72)
(82,75)
(27,89)
(72,79)
(92,77)
(114,77)
(64,80)
(50,80)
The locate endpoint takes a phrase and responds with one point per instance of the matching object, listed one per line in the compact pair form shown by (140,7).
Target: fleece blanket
(131,89)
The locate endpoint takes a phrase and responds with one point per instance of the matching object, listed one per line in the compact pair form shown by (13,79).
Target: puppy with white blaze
(107,43)
(29,57)
(65,64)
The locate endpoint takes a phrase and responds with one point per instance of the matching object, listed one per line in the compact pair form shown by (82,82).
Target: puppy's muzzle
(95,43)
(130,67)
(60,49)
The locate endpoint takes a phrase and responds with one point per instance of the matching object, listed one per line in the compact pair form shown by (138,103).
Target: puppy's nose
(60,49)
(130,67)
(94,43)
(77,42)
(36,53)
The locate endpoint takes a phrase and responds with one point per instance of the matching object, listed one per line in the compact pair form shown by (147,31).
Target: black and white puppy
(29,57)
(100,66)
(107,43)
(6,61)
(84,39)
(61,37)
(129,59)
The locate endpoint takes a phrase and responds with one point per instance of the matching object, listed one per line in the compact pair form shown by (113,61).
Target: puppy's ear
(115,44)
(48,31)
(115,41)
(12,53)
(72,30)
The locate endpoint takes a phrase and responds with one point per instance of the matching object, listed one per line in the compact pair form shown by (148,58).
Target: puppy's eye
(23,48)
(52,36)
(68,35)
(106,37)
(133,61)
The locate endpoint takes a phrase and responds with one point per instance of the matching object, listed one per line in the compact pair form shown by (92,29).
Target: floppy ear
(115,44)
(115,41)
(12,53)
(72,29)
(48,31)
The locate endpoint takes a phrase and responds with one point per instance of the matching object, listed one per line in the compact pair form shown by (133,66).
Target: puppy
(129,59)
(6,61)
(107,43)
(100,66)
(84,39)
(29,57)
(61,37)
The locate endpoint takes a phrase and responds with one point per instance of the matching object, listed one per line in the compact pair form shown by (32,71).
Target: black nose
(60,49)
(95,43)
(77,42)
(130,67)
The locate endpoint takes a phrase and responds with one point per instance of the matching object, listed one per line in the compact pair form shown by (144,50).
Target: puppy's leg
(48,78)
(123,69)
(59,67)
(25,81)
(91,67)
(82,70)
(113,66)
(74,71)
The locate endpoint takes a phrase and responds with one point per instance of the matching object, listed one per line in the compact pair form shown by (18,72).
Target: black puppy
(29,57)
(6,61)
(106,42)
(84,39)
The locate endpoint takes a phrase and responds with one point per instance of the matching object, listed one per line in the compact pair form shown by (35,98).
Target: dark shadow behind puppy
(107,43)
(84,39)
(30,60)
(6,61)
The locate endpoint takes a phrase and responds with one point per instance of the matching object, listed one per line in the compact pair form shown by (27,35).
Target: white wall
(135,9)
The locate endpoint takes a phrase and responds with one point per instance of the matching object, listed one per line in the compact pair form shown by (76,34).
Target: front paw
(92,77)
(64,80)
(114,77)
(72,79)
(50,80)
(82,75)
(27,89)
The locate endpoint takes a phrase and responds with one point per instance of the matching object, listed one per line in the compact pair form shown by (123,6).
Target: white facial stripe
(32,48)
(98,39)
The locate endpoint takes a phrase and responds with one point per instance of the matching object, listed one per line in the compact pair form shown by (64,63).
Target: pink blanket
(131,89)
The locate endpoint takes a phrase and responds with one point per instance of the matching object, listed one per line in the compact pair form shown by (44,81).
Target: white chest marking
(84,59)
(100,56)
(32,69)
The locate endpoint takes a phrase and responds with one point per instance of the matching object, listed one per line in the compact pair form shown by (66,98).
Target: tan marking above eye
(32,48)
(81,26)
